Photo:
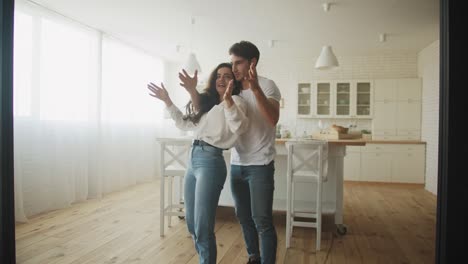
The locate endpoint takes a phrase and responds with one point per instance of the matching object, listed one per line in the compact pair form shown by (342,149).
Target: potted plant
(278,131)
(366,134)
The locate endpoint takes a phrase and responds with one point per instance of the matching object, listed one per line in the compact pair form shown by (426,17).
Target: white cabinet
(323,99)
(408,164)
(342,99)
(402,163)
(304,99)
(408,89)
(352,164)
(408,119)
(384,121)
(376,163)
(376,167)
(407,168)
(352,99)
(397,109)
(385,90)
(362,99)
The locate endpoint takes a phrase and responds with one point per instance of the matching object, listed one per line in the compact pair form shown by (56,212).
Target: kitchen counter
(357,142)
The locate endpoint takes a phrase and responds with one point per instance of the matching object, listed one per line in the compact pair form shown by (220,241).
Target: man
(252,159)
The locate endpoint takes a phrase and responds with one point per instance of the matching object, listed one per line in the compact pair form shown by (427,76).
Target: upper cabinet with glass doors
(323,102)
(342,99)
(362,99)
(338,99)
(304,96)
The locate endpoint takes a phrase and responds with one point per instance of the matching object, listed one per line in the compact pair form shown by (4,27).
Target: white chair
(174,154)
(306,164)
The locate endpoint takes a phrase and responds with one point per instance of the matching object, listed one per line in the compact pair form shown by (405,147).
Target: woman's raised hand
(188,82)
(160,92)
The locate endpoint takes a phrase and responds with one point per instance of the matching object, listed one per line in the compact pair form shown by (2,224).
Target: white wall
(428,70)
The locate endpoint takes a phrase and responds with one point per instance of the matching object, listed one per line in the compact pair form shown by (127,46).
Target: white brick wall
(428,70)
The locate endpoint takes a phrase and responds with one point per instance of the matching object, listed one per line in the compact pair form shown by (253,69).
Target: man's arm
(268,107)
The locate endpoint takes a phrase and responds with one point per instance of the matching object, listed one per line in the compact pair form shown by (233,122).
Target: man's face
(240,67)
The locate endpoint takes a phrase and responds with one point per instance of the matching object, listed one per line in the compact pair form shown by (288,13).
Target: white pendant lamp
(192,65)
(327,59)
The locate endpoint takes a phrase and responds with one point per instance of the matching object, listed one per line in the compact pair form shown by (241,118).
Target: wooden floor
(387,223)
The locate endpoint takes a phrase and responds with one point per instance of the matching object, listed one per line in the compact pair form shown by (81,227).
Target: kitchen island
(332,188)
(304,199)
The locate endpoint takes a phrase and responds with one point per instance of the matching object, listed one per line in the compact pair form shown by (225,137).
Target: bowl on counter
(340,129)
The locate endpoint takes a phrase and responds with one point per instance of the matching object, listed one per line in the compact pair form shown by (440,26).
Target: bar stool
(174,154)
(306,164)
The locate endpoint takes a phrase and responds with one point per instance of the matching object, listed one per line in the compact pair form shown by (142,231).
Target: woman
(218,117)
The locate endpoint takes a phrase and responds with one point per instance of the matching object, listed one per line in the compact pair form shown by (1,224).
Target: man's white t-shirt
(257,145)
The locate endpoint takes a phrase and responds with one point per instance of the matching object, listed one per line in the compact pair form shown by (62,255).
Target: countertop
(357,142)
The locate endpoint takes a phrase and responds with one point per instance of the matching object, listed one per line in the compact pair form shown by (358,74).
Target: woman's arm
(236,116)
(235,111)
(190,85)
(177,116)
(161,93)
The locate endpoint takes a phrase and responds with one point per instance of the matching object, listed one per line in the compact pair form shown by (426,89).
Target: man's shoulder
(269,87)
(265,80)
(267,84)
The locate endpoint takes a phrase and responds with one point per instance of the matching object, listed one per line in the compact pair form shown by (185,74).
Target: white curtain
(84,122)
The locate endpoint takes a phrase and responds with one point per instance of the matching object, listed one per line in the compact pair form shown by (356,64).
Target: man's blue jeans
(252,190)
(204,181)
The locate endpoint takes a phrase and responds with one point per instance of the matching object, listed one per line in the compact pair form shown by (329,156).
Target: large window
(126,73)
(84,122)
(67,72)
(23,56)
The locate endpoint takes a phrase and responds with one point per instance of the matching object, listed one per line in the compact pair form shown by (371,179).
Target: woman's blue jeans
(204,181)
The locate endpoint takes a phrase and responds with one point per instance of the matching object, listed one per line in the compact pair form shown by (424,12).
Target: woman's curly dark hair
(209,97)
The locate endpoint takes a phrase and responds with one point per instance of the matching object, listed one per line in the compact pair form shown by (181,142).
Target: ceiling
(298,27)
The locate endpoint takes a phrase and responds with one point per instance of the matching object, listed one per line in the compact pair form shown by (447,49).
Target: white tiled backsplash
(297,127)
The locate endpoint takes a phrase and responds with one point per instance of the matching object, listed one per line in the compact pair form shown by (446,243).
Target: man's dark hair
(245,49)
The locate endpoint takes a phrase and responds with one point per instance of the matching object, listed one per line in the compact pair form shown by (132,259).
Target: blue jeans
(204,181)
(252,190)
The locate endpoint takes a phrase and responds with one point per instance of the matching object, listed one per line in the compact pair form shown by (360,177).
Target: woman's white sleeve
(236,116)
(177,116)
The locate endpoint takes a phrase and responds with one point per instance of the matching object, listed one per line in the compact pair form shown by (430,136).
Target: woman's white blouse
(220,127)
